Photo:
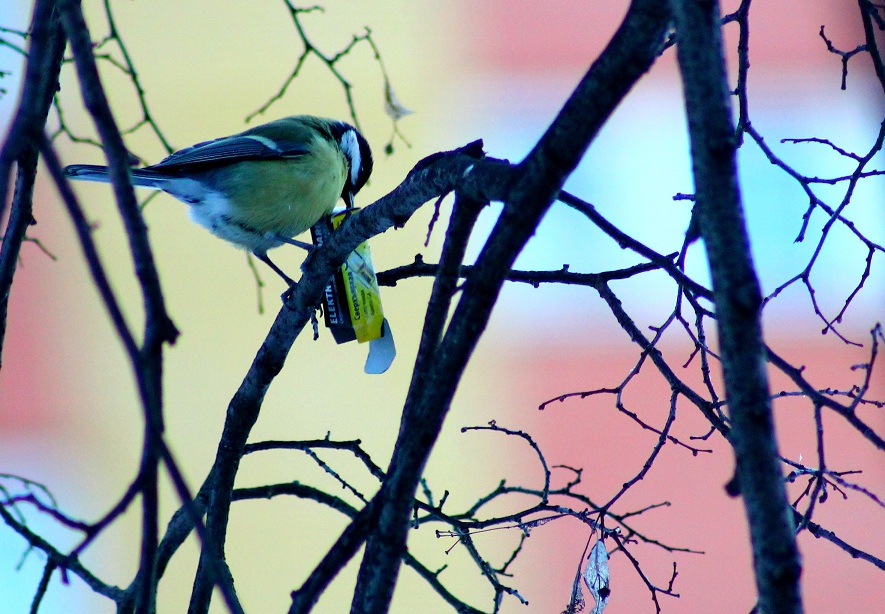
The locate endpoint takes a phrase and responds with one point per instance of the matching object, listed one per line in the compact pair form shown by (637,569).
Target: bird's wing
(229,150)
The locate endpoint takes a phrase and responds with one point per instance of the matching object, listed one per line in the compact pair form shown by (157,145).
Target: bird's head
(358,154)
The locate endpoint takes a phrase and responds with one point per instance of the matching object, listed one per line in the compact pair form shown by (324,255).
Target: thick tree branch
(540,177)
(871,44)
(159,328)
(738,299)
(47,45)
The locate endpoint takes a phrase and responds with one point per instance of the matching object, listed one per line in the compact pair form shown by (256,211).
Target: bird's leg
(295,242)
(309,247)
(289,281)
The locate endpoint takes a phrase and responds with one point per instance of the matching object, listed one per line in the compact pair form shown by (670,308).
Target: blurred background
(69,416)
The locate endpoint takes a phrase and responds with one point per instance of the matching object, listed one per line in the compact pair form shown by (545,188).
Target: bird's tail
(94,172)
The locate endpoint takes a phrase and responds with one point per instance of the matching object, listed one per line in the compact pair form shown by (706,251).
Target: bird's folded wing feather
(229,150)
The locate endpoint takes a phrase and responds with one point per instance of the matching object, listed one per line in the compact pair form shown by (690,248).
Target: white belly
(213,211)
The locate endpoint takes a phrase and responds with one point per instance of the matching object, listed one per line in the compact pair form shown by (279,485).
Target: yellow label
(361,288)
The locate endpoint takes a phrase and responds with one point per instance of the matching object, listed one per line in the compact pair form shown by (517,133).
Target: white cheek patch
(351,148)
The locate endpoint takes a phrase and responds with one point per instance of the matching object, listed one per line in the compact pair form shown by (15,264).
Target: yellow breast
(286,197)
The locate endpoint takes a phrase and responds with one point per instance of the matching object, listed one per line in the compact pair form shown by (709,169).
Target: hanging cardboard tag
(352,302)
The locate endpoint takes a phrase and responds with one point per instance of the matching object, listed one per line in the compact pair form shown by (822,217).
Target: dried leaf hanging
(596,576)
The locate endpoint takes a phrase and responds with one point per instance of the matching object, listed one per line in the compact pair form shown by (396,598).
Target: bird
(262,187)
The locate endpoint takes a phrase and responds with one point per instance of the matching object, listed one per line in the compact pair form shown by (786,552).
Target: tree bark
(539,178)
(738,301)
